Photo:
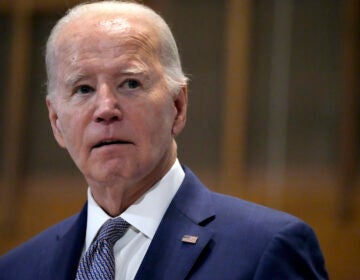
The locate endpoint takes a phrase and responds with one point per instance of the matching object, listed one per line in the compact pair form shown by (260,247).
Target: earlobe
(180,104)
(55,123)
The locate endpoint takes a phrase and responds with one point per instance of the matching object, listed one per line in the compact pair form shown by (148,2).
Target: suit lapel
(168,257)
(68,248)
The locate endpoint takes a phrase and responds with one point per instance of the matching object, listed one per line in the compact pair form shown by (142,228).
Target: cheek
(148,126)
(71,126)
(159,124)
(161,113)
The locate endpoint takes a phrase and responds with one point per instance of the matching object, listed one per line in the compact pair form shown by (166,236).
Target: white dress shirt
(144,216)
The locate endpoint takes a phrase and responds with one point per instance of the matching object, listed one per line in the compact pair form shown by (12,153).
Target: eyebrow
(133,71)
(72,79)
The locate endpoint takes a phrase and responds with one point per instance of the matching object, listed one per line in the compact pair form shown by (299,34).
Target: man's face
(112,110)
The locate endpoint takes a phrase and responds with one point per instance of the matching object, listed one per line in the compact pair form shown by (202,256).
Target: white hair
(168,51)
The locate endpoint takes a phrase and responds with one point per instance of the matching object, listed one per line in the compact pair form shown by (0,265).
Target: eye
(131,84)
(83,89)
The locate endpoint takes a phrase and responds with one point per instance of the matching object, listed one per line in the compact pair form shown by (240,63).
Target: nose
(107,106)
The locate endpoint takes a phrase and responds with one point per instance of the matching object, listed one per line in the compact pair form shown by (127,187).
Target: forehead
(104,34)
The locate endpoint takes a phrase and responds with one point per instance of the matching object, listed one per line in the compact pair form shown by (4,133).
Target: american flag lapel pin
(190,239)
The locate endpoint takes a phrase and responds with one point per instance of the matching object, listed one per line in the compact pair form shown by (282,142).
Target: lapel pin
(190,239)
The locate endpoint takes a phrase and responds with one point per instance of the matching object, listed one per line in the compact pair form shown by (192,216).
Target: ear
(180,104)
(54,121)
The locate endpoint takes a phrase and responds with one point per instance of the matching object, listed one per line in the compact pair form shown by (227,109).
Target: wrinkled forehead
(108,31)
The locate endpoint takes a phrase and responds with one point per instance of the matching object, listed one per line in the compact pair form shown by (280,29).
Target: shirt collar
(142,214)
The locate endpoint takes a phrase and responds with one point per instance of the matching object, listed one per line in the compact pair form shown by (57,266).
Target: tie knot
(112,230)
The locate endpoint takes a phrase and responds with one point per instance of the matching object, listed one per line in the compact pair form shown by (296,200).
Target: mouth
(110,142)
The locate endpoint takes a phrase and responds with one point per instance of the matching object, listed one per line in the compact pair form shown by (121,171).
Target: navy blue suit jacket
(236,240)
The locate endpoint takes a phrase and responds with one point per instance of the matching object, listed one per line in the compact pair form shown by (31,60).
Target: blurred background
(273,117)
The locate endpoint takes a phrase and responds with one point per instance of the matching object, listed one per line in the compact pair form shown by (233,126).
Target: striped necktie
(98,263)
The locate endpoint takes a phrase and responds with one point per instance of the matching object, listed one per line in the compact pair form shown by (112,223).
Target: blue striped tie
(98,263)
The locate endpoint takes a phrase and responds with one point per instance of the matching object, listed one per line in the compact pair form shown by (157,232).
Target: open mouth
(111,142)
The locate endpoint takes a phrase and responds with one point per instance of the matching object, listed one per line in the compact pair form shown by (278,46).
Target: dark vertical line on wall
(349,134)
(278,100)
(15,115)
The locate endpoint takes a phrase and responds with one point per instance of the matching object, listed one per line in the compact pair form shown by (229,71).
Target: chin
(111,172)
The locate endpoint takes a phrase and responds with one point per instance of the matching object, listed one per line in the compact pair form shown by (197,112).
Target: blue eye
(84,89)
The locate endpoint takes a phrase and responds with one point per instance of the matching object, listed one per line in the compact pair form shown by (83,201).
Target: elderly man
(117,98)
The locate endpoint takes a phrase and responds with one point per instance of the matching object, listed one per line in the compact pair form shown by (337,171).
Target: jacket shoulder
(27,256)
(251,214)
